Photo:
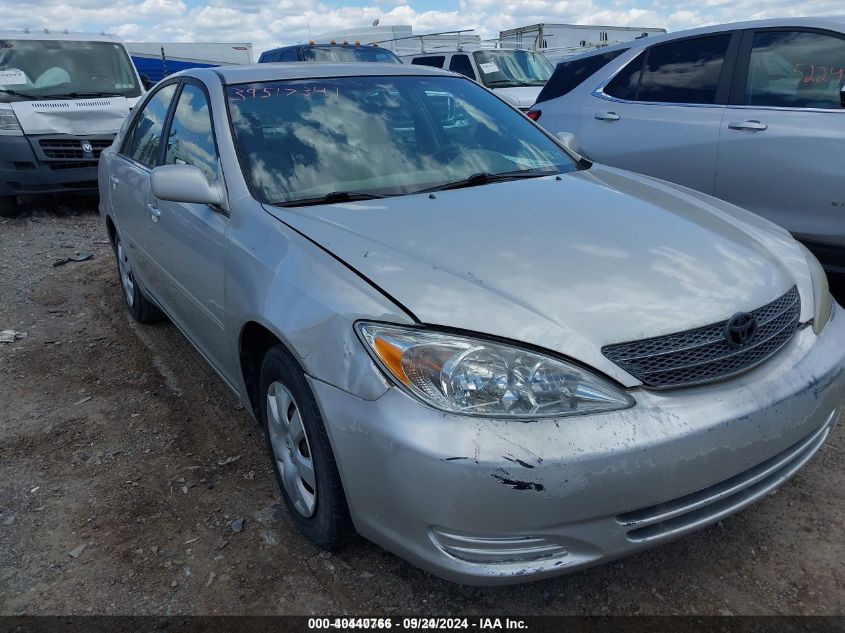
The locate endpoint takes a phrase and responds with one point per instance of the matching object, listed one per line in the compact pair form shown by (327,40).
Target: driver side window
(190,140)
(144,139)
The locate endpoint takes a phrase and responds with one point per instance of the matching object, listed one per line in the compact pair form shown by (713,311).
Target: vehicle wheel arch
(256,339)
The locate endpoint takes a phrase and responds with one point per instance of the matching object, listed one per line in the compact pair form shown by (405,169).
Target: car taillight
(534,114)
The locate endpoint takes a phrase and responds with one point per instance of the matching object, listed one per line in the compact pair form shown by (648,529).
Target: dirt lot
(123,460)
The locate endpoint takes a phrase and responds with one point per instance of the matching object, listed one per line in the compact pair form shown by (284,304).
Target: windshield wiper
(82,95)
(485,178)
(16,93)
(513,83)
(329,198)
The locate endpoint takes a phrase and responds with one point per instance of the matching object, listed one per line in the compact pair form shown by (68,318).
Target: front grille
(71,149)
(675,517)
(81,164)
(704,354)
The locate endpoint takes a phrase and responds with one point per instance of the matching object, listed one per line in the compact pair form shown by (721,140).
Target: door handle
(155,212)
(753,126)
(607,116)
(114,180)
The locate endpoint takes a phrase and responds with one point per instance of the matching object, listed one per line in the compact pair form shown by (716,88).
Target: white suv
(751,112)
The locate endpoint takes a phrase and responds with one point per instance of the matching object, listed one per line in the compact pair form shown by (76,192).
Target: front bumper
(31,165)
(482,501)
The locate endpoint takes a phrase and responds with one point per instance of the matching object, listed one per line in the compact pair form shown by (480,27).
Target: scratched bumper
(481,501)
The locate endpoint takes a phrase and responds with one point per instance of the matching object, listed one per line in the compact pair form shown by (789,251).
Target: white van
(515,75)
(63,97)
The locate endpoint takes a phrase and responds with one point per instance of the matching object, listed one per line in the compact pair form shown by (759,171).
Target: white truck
(63,97)
(559,41)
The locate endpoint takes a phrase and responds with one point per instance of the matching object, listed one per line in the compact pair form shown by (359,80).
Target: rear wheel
(9,207)
(302,455)
(140,308)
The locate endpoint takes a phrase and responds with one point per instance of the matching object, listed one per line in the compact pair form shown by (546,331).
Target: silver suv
(751,112)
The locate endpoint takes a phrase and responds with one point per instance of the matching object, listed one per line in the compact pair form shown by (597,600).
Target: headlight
(9,122)
(821,291)
(476,377)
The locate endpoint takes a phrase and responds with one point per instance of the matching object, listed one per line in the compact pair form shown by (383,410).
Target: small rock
(154,549)
(76,551)
(9,520)
(223,543)
(80,457)
(210,579)
(174,584)
(228,460)
(237,525)
(365,575)
(269,537)
(82,400)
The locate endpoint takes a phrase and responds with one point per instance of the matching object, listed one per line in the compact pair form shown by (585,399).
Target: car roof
(832,23)
(58,35)
(317,70)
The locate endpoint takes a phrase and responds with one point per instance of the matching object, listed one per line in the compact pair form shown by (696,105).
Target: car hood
(519,96)
(80,117)
(600,256)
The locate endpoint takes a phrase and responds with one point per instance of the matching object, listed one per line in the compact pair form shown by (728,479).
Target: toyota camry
(463,340)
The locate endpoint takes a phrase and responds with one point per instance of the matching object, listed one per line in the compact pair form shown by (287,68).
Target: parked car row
(463,340)
(753,113)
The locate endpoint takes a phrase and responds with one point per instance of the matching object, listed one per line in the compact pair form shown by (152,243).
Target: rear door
(129,180)
(782,144)
(188,241)
(660,114)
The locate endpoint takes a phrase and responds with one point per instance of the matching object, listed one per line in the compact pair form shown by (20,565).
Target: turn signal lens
(534,115)
(476,377)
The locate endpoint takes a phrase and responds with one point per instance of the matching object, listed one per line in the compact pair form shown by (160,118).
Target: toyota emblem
(86,147)
(740,329)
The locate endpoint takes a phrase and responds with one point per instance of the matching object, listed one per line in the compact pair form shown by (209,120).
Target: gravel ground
(124,460)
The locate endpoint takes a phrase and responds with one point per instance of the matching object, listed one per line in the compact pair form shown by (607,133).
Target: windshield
(349,54)
(36,69)
(506,69)
(381,136)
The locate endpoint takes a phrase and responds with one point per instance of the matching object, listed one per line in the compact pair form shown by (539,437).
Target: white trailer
(156,60)
(557,41)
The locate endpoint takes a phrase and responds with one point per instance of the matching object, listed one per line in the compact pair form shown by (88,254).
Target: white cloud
(268,23)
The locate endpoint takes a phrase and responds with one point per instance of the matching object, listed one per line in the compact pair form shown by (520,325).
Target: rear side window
(796,69)
(144,140)
(433,60)
(569,75)
(461,64)
(288,56)
(687,71)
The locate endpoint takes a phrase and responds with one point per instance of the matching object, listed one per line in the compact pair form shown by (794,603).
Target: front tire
(9,207)
(301,453)
(141,309)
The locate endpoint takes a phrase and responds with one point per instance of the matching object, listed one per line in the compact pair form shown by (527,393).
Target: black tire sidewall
(330,523)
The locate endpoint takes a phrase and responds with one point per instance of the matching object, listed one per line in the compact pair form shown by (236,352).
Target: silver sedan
(463,340)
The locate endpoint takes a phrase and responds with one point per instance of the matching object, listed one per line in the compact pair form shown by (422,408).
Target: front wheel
(9,207)
(302,455)
(141,309)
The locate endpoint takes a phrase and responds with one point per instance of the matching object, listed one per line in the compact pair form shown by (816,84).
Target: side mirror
(146,82)
(842,97)
(570,143)
(184,183)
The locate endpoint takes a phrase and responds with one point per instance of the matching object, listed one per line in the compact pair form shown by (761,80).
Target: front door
(660,115)
(188,241)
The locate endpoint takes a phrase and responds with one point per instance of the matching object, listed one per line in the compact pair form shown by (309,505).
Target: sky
(269,23)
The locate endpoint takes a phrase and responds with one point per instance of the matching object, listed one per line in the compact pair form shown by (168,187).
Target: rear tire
(301,453)
(9,207)
(140,308)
